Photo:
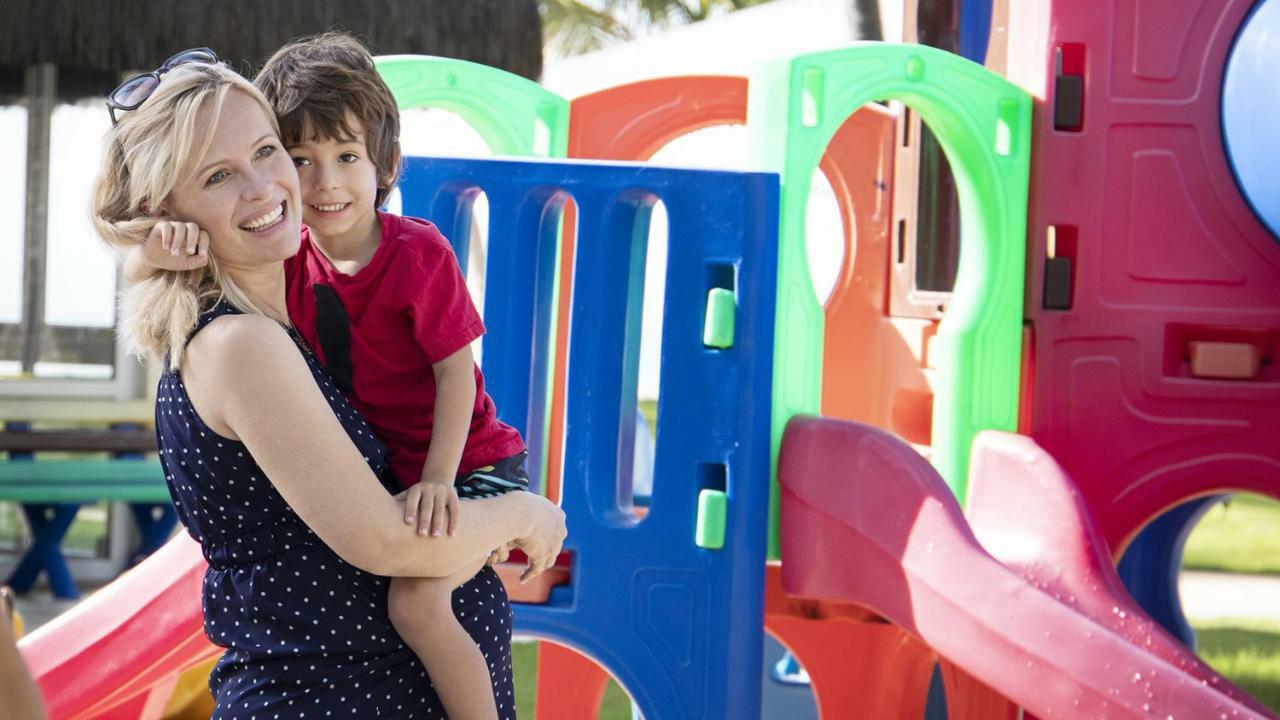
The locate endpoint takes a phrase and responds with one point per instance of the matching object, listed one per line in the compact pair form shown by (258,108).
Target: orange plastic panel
(871,373)
(859,665)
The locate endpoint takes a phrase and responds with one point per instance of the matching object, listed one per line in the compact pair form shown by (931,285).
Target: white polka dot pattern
(307,634)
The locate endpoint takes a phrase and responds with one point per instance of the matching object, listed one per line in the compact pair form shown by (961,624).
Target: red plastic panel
(136,635)
(573,687)
(907,553)
(1165,255)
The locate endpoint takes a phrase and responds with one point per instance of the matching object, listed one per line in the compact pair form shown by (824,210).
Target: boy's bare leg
(421,611)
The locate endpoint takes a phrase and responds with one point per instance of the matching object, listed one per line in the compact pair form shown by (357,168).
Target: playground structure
(1117,301)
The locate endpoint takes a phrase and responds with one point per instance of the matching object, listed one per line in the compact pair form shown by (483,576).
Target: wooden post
(40,86)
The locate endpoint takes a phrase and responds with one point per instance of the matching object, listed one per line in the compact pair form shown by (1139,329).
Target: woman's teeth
(265,220)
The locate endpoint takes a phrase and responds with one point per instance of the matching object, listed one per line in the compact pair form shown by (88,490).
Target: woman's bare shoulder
(232,341)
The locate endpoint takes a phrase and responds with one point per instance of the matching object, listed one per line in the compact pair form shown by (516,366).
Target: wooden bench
(51,493)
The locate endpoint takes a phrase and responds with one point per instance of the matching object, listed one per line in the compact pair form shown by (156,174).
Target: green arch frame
(503,107)
(983,123)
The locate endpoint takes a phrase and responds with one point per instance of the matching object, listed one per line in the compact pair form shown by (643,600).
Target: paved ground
(1207,596)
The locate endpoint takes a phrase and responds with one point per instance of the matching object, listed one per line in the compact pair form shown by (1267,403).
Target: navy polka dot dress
(306,634)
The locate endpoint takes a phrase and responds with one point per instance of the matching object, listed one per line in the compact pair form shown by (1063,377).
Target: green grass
(1242,536)
(1245,651)
(524,658)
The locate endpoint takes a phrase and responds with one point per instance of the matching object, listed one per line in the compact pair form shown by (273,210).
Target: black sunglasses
(135,91)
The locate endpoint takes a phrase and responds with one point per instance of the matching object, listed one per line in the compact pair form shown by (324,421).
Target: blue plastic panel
(680,626)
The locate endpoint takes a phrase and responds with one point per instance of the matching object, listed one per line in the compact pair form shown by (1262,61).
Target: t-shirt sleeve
(444,318)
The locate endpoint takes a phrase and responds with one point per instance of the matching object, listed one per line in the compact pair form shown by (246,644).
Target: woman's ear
(157,212)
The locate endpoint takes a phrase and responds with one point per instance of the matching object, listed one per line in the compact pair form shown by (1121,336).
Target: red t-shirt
(379,332)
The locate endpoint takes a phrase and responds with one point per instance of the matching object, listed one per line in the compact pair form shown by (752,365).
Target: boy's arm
(169,246)
(437,500)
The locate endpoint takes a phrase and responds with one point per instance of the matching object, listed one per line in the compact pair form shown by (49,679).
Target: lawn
(1242,536)
(1247,652)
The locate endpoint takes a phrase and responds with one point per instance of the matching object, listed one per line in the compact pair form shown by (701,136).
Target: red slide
(1027,513)
(119,653)
(866,520)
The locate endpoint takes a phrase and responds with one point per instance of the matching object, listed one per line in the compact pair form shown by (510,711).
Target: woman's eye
(266,151)
(217,177)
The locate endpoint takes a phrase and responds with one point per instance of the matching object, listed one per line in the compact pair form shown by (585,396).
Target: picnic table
(51,492)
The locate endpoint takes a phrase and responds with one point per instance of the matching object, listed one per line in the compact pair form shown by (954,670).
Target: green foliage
(1241,536)
(573,27)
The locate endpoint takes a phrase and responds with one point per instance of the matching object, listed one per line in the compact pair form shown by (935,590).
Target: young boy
(380,298)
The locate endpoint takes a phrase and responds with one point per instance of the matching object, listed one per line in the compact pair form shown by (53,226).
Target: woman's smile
(267,220)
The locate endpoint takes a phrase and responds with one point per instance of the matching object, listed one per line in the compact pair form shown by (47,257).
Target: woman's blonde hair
(151,151)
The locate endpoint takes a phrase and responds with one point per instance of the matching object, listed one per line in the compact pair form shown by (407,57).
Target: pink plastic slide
(1028,514)
(866,520)
(119,653)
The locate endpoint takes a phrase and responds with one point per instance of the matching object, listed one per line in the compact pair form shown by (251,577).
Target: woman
(270,469)
(18,693)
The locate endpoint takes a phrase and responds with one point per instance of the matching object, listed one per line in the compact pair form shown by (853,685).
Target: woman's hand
(544,538)
(499,556)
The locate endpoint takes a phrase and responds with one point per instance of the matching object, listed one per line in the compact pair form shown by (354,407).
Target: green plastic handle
(713,506)
(717,328)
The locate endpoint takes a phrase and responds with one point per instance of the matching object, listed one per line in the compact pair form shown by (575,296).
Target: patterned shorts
(499,478)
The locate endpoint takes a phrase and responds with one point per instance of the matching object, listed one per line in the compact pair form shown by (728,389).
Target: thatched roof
(94,41)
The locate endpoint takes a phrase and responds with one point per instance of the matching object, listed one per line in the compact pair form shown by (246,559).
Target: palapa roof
(94,41)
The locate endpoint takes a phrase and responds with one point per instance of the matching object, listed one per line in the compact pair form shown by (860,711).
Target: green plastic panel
(712,507)
(514,115)
(983,123)
(717,329)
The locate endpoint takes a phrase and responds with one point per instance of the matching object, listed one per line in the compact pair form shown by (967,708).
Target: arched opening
(1229,588)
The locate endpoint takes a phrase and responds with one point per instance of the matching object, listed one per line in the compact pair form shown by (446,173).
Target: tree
(572,27)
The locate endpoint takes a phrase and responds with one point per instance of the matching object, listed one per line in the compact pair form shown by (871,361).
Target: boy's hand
(177,246)
(433,505)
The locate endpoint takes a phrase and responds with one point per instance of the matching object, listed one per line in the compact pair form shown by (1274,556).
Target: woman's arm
(248,381)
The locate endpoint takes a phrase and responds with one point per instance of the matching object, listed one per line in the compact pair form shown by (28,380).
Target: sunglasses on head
(135,91)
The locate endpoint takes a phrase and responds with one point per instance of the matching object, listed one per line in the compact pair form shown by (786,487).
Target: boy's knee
(411,600)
